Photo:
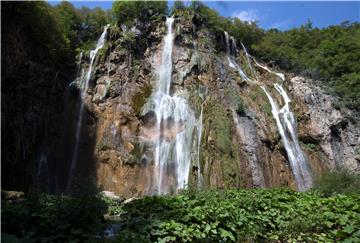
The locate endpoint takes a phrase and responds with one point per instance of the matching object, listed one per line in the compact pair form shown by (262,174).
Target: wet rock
(112,195)
(12,195)
(330,127)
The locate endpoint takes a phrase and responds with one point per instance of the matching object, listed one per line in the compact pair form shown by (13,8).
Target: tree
(126,11)
(178,5)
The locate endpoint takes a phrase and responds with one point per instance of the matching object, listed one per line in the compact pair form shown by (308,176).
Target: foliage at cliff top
(40,29)
(280,215)
(126,11)
(331,54)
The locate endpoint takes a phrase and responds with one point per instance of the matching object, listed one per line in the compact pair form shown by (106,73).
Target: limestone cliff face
(240,146)
(335,133)
(238,149)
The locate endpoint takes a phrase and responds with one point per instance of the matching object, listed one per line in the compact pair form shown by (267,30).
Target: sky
(282,15)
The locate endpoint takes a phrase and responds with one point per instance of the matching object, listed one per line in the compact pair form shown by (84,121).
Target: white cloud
(249,15)
(281,25)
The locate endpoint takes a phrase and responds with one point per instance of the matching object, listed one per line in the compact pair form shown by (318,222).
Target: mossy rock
(216,117)
(139,98)
(235,100)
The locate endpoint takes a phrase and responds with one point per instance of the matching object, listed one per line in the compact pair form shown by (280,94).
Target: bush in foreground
(245,215)
(338,181)
(278,215)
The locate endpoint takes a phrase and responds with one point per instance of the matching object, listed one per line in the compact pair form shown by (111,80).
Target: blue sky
(282,15)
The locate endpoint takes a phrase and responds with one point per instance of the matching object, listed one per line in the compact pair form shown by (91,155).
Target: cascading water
(232,62)
(286,125)
(84,83)
(175,123)
(199,129)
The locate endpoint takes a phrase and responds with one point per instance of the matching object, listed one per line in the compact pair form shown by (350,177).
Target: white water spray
(84,88)
(175,124)
(286,125)
(232,62)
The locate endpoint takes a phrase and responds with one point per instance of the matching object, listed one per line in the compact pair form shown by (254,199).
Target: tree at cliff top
(126,11)
(39,24)
(81,26)
(329,54)
(247,32)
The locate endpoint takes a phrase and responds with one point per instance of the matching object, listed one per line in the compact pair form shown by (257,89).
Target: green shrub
(49,218)
(309,146)
(279,215)
(338,181)
(235,100)
(330,54)
(266,108)
(126,11)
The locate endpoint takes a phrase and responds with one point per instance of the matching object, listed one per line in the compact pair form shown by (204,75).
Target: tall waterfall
(175,123)
(84,84)
(286,125)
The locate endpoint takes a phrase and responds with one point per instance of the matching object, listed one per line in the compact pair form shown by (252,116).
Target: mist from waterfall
(175,123)
(285,121)
(84,84)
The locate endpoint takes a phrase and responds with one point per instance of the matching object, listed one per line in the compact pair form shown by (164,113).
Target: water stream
(285,121)
(175,122)
(84,84)
(286,125)
(232,62)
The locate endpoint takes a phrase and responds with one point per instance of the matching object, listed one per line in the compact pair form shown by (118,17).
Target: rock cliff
(240,145)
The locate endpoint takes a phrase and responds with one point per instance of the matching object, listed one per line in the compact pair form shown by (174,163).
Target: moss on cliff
(235,99)
(216,118)
(140,97)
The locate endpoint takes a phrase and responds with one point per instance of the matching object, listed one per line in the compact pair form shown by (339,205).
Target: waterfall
(232,62)
(84,87)
(280,75)
(286,125)
(175,123)
(248,60)
(199,128)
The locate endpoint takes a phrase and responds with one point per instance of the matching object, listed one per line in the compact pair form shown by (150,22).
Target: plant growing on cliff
(330,54)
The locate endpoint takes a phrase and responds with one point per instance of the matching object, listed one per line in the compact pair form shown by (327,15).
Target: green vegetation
(216,116)
(235,100)
(330,54)
(338,181)
(54,218)
(309,146)
(140,98)
(55,32)
(39,27)
(82,27)
(247,32)
(242,215)
(201,216)
(266,108)
(125,12)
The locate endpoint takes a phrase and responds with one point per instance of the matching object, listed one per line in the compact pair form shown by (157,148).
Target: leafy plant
(239,215)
